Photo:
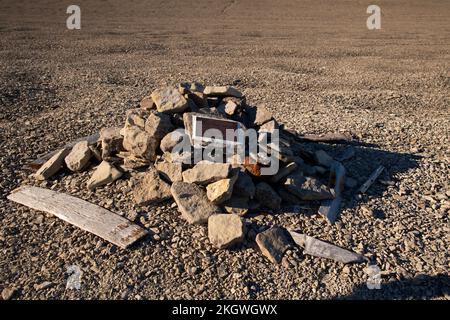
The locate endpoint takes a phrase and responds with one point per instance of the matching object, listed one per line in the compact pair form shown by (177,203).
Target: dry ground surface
(319,70)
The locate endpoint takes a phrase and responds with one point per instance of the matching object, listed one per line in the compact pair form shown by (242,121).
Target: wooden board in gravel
(80,213)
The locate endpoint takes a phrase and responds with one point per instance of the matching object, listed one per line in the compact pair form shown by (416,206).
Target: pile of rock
(216,194)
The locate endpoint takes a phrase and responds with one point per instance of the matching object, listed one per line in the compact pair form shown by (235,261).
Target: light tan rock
(172,172)
(221,190)
(53,165)
(147,103)
(222,91)
(193,203)
(237,205)
(225,230)
(79,156)
(136,118)
(173,138)
(205,172)
(150,188)
(263,115)
(104,174)
(158,125)
(169,100)
(111,141)
(139,143)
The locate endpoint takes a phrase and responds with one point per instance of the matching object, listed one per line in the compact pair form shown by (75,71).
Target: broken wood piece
(82,214)
(348,153)
(330,209)
(322,249)
(371,179)
(36,164)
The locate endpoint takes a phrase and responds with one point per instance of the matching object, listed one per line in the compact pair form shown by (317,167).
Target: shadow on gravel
(366,159)
(420,287)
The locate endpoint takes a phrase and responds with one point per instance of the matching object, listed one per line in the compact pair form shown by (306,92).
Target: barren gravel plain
(317,68)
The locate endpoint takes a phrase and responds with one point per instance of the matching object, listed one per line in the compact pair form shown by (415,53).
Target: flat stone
(225,230)
(267,196)
(206,172)
(307,188)
(171,172)
(284,172)
(111,141)
(222,91)
(172,139)
(150,188)
(53,165)
(193,203)
(244,185)
(273,243)
(221,190)
(169,100)
(237,205)
(104,174)
(79,156)
(131,163)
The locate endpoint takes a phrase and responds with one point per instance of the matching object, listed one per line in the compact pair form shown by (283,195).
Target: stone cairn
(216,194)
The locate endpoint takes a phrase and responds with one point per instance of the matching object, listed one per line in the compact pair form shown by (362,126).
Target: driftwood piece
(322,249)
(330,208)
(36,164)
(80,213)
(371,179)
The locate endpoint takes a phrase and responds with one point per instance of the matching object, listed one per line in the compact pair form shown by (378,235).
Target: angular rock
(262,116)
(323,158)
(171,172)
(136,118)
(104,174)
(284,172)
(270,126)
(206,172)
(273,243)
(267,196)
(53,165)
(307,188)
(221,190)
(8,293)
(184,157)
(222,91)
(139,143)
(150,188)
(318,248)
(288,197)
(158,125)
(147,103)
(193,203)
(237,205)
(330,209)
(131,163)
(199,99)
(225,230)
(112,142)
(173,138)
(169,100)
(244,186)
(79,156)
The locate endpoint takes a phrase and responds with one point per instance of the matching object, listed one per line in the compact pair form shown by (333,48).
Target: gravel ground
(315,65)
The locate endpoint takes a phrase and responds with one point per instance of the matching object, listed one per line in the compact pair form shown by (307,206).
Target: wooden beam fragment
(322,249)
(371,179)
(82,214)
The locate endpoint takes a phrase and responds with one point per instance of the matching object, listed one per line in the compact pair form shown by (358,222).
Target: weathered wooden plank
(330,209)
(80,213)
(37,163)
(325,138)
(371,179)
(322,249)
